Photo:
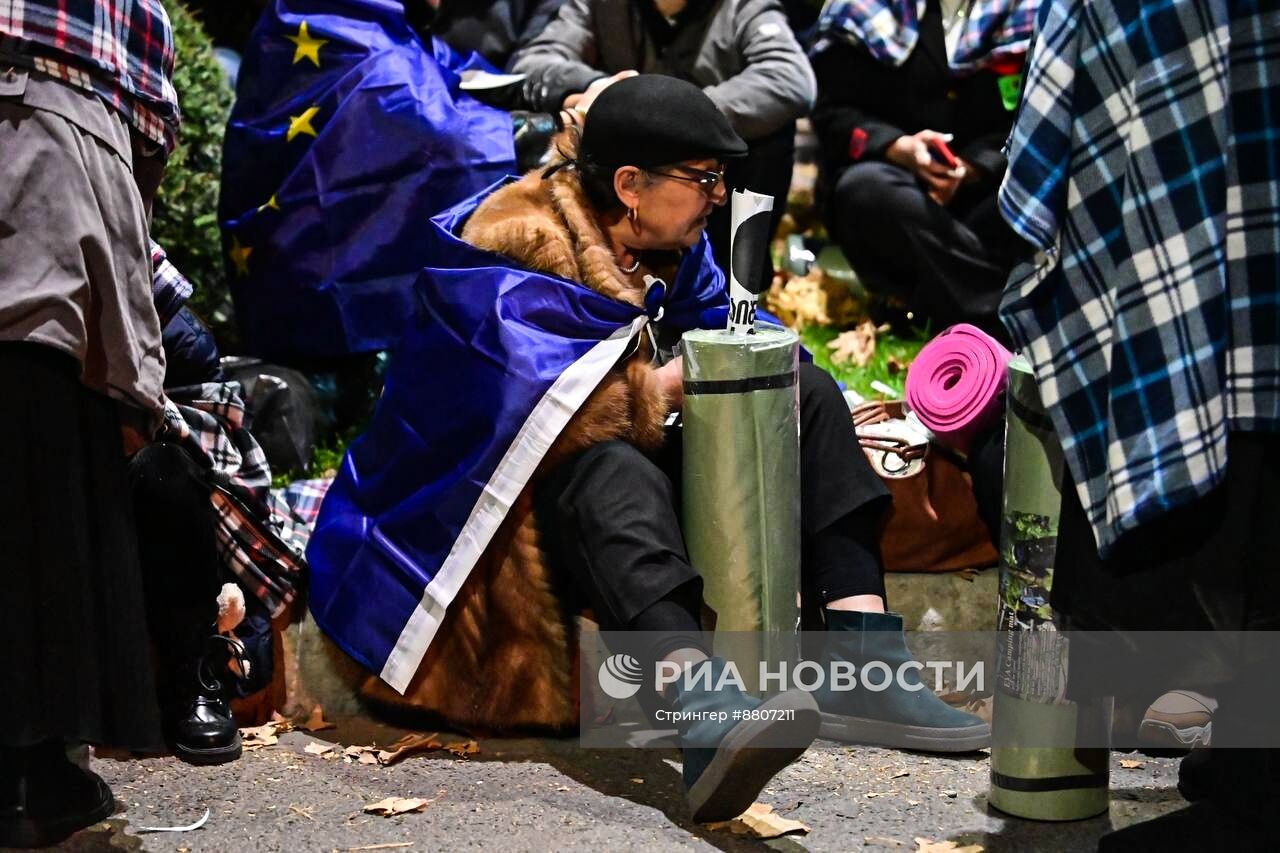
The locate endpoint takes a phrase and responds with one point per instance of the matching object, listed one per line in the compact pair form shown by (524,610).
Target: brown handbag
(934,524)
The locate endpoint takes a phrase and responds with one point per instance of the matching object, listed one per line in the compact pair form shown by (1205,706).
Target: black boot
(733,743)
(909,717)
(44,797)
(199,727)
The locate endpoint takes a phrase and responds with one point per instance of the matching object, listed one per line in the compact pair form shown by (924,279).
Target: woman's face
(675,201)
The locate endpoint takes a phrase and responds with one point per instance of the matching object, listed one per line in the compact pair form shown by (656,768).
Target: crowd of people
(981,161)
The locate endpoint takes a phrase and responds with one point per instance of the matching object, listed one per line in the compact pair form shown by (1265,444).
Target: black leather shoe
(206,734)
(201,729)
(44,797)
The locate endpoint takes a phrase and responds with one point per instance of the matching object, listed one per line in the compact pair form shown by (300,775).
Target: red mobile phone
(940,153)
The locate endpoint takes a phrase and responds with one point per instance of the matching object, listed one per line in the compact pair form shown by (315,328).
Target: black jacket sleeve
(847,117)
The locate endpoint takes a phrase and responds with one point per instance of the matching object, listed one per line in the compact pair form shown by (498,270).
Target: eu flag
(498,359)
(348,134)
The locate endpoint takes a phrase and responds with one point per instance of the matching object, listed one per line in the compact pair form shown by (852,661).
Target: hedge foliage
(185,214)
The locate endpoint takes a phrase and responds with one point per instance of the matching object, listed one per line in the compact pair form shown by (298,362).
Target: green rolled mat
(1029,779)
(742,480)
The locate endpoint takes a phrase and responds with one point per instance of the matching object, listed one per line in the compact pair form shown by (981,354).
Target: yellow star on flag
(308,47)
(271,204)
(302,124)
(240,256)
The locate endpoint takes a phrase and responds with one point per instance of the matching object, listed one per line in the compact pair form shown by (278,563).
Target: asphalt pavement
(543,794)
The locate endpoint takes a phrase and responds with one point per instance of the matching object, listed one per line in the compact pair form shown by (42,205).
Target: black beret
(653,120)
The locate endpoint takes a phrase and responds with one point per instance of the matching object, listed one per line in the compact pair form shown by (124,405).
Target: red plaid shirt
(122,50)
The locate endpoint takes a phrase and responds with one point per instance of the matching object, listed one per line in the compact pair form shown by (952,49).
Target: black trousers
(1213,565)
(610,518)
(948,263)
(766,169)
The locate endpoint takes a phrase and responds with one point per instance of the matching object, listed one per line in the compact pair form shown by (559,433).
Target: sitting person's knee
(620,459)
(819,391)
(867,188)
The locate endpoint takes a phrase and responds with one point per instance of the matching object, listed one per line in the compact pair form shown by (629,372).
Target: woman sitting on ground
(597,527)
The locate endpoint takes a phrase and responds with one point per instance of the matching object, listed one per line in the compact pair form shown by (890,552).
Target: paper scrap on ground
(761,821)
(1131,764)
(925,845)
(189,828)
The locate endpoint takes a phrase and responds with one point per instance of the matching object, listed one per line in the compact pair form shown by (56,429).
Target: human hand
(582,101)
(671,381)
(911,152)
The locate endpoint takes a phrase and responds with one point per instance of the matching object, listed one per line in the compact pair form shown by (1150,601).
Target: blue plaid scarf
(1144,167)
(995,31)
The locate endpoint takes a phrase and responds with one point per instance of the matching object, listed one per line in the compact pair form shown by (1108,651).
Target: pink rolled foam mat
(956,384)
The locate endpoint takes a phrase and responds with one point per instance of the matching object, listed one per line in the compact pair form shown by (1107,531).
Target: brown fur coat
(505,655)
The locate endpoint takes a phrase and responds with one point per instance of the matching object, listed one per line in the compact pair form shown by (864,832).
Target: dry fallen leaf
(1131,764)
(925,845)
(396,805)
(913,802)
(760,821)
(464,748)
(900,774)
(883,841)
(317,748)
(257,737)
(316,722)
(387,846)
(282,723)
(799,301)
(856,346)
(367,758)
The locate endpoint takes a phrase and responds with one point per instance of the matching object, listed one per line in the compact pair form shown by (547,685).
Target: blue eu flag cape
(497,360)
(348,134)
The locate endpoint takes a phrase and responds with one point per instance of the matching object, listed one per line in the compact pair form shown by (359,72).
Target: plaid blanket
(995,31)
(170,289)
(1144,166)
(123,52)
(260,537)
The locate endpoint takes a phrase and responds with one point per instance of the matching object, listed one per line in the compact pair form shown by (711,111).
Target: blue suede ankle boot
(904,715)
(734,743)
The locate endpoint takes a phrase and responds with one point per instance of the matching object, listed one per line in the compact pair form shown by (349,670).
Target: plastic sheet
(742,478)
(1029,779)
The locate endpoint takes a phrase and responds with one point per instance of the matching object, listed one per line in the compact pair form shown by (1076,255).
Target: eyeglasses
(707,180)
